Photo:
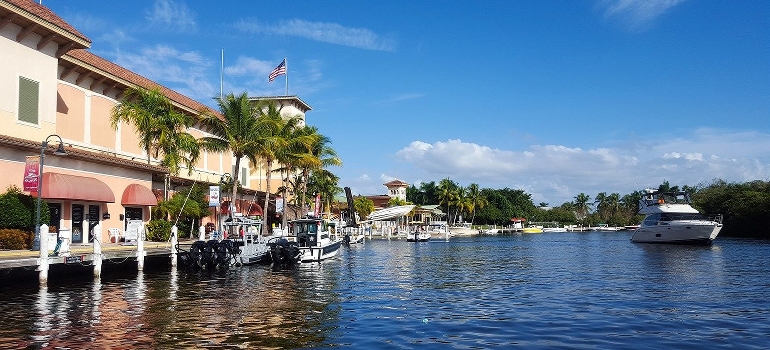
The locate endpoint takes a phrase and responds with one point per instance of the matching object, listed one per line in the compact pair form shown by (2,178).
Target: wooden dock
(80,255)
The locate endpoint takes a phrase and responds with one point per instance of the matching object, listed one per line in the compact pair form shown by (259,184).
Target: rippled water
(570,290)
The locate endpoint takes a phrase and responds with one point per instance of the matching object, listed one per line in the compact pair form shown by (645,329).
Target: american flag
(280,70)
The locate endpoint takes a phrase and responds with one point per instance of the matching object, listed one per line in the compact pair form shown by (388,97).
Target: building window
(29,96)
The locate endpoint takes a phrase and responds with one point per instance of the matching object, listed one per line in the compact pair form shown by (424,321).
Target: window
(29,95)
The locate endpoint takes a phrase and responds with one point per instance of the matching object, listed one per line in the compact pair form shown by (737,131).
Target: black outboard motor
(283,252)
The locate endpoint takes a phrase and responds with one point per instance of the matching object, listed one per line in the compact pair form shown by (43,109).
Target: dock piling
(43,256)
(97,257)
(174,231)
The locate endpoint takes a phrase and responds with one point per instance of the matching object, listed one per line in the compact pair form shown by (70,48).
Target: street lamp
(59,152)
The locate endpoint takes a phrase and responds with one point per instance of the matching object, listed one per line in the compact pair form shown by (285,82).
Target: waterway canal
(569,290)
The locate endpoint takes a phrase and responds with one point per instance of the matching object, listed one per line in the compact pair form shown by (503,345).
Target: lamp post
(59,152)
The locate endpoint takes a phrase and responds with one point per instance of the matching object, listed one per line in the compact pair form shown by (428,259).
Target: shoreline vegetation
(744,206)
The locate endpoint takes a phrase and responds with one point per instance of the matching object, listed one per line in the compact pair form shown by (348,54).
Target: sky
(555,98)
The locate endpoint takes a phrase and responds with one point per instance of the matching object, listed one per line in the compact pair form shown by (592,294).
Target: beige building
(56,91)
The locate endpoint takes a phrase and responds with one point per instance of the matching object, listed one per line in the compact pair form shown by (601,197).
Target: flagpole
(222,74)
(286,64)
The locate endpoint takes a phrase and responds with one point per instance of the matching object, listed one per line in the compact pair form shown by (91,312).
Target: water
(553,290)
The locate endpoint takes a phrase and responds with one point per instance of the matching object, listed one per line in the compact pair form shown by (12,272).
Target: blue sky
(551,97)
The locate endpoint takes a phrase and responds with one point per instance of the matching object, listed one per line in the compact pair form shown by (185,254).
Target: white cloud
(187,72)
(556,173)
(332,33)
(174,14)
(637,13)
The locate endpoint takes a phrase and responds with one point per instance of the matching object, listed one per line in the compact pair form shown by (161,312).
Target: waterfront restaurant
(56,92)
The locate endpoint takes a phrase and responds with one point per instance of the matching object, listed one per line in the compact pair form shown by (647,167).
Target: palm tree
(325,183)
(476,199)
(161,128)
(447,194)
(582,205)
(278,142)
(237,130)
(320,156)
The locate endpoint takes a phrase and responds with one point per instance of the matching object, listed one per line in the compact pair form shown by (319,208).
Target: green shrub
(158,231)
(18,210)
(15,239)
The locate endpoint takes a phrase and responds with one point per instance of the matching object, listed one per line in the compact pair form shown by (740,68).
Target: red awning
(138,195)
(224,208)
(254,209)
(73,187)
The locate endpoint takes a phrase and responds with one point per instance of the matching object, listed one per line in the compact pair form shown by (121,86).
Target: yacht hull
(680,233)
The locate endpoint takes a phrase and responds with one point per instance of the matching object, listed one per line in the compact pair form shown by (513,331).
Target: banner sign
(32,173)
(279,205)
(213,196)
(317,211)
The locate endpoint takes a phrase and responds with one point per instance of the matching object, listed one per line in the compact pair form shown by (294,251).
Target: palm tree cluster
(457,200)
(257,132)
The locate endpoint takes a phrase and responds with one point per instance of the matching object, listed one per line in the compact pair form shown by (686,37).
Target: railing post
(97,256)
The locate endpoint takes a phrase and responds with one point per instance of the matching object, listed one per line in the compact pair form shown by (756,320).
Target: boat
(462,228)
(491,231)
(418,236)
(532,229)
(240,243)
(314,240)
(606,228)
(554,229)
(670,218)
(356,237)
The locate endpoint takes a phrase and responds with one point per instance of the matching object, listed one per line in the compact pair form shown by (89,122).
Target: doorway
(77,223)
(55,210)
(93,220)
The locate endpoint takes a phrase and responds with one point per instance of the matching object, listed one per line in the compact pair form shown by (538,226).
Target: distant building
(397,189)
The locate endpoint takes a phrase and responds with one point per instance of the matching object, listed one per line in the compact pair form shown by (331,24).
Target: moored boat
(670,218)
(314,240)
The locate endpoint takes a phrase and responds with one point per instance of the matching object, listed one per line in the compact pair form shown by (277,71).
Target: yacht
(670,218)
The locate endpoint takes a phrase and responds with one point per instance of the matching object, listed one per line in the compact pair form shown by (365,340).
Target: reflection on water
(571,290)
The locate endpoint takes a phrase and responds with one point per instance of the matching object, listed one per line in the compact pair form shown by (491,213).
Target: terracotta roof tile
(47,15)
(131,77)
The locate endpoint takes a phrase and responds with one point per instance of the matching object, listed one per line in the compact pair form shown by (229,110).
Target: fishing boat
(314,240)
(239,243)
(670,218)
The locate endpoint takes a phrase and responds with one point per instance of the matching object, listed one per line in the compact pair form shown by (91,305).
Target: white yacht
(671,219)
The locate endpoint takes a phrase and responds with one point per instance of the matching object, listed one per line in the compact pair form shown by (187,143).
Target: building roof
(73,152)
(36,18)
(301,105)
(86,63)
(396,183)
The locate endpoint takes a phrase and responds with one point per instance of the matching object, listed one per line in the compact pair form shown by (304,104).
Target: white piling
(202,233)
(97,256)
(140,248)
(42,263)
(174,231)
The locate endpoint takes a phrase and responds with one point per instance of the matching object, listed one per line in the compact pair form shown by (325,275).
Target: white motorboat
(418,236)
(606,228)
(463,228)
(314,241)
(671,219)
(239,244)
